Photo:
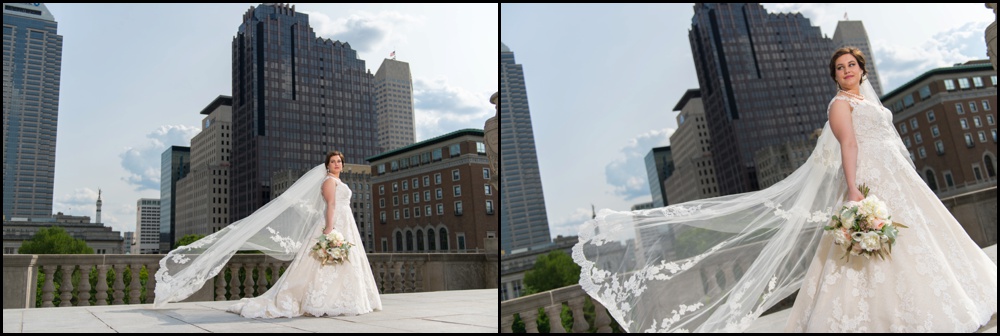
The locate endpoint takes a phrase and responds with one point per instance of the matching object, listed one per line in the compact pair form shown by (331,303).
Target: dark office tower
(175,163)
(296,96)
(764,81)
(523,221)
(32,59)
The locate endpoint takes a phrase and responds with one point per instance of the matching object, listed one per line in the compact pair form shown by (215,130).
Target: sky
(602,81)
(136,76)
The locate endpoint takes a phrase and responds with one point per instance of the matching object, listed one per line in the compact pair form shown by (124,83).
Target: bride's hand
(855,195)
(327,230)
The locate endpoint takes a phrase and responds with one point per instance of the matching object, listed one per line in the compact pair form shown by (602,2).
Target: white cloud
(628,176)
(569,225)
(440,108)
(365,32)
(899,64)
(81,202)
(143,163)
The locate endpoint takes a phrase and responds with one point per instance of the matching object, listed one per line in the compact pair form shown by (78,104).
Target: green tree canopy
(54,240)
(554,270)
(187,240)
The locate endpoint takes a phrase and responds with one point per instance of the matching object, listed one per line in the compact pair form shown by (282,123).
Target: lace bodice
(344,192)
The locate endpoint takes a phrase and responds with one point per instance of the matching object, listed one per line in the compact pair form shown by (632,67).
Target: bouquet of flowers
(331,248)
(865,228)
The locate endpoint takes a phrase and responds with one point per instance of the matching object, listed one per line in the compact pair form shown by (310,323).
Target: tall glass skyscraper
(523,219)
(175,163)
(659,167)
(32,60)
(296,96)
(764,81)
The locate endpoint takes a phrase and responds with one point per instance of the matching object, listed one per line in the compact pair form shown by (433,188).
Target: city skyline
(135,77)
(607,90)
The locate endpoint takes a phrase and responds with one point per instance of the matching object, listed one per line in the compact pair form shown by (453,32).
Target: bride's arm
(843,128)
(330,196)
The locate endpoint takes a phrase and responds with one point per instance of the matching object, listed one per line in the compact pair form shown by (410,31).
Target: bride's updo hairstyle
(857,55)
(330,155)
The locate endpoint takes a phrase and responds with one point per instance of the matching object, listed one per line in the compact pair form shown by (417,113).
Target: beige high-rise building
(203,194)
(147,227)
(694,173)
(394,105)
(853,34)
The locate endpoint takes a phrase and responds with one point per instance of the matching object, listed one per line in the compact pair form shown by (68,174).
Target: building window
(939,145)
(982,136)
(396,212)
(991,168)
(455,175)
(986,105)
(923,153)
(395,200)
(935,132)
(444,244)
(406,199)
(381,190)
(906,141)
(416,212)
(930,116)
(395,165)
(425,158)
(455,150)
(406,185)
(381,169)
(958,107)
(427,210)
(427,181)
(382,217)
(913,124)
(381,202)
(949,84)
(977,81)
(458,208)
(912,157)
(436,155)
(440,209)
(902,128)
(395,187)
(486,173)
(399,242)
(430,239)
(949,180)
(973,107)
(461,242)
(489,207)
(919,139)
(437,179)
(406,213)
(963,83)
(978,122)
(489,190)
(416,183)
(969,142)
(994,134)
(994,80)
(439,193)
(480,148)
(977,172)
(458,191)
(416,198)
(385,245)
(931,181)
(427,195)
(925,92)
(964,123)
(908,100)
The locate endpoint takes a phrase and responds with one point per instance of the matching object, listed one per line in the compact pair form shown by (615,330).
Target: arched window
(444,239)
(420,240)
(399,241)
(409,241)
(991,168)
(931,181)
(430,240)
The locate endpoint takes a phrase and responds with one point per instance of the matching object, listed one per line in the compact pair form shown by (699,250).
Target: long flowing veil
(712,265)
(278,229)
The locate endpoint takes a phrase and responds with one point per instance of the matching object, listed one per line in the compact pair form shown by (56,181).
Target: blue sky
(602,81)
(136,76)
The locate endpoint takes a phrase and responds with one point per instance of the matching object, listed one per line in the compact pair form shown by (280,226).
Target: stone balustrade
(552,302)
(394,273)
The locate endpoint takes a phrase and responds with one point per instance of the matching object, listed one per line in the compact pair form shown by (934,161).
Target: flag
(392,54)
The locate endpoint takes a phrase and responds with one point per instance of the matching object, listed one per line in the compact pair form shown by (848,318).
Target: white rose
(870,241)
(847,217)
(842,237)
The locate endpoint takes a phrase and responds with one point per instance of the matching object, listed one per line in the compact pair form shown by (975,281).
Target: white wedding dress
(716,265)
(311,289)
(938,279)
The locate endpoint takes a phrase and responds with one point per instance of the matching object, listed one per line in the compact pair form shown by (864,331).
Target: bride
(285,228)
(716,265)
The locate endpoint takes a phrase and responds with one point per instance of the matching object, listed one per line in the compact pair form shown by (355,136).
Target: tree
(54,240)
(187,240)
(551,271)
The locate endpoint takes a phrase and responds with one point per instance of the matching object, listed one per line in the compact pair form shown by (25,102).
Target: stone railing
(89,278)
(553,301)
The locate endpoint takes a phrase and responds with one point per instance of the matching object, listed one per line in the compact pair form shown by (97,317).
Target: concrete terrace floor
(775,323)
(471,311)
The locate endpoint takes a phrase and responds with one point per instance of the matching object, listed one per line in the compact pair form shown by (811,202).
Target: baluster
(419,274)
(151,270)
(49,287)
(83,291)
(399,277)
(248,282)
(507,324)
(234,281)
(102,285)
(555,318)
(404,274)
(580,324)
(66,288)
(378,269)
(136,285)
(530,319)
(601,319)
(119,285)
(220,286)
(262,283)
